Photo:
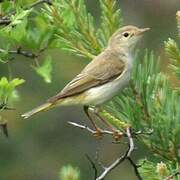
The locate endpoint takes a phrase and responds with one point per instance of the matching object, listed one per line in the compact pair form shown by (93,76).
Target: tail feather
(43,107)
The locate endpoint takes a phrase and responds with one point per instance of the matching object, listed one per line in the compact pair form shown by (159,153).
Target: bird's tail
(43,107)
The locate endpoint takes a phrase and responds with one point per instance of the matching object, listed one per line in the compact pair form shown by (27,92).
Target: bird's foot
(98,133)
(117,135)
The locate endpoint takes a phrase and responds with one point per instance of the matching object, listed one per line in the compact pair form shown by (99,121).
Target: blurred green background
(40,146)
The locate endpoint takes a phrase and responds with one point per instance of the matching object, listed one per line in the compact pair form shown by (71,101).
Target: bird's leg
(97,129)
(116,134)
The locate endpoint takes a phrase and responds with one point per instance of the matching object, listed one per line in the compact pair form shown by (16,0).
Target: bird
(102,79)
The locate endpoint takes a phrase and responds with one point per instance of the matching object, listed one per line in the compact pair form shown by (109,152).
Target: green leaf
(19,31)
(6,6)
(4,55)
(32,38)
(19,16)
(7,88)
(16,30)
(45,69)
(69,18)
(16,82)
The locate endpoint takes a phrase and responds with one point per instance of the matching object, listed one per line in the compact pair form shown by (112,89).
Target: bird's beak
(141,31)
(144,30)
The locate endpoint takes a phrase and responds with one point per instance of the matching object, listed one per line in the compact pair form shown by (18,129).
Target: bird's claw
(98,133)
(117,135)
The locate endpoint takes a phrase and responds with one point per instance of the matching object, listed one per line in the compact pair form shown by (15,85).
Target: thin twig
(24,53)
(131,142)
(129,134)
(93,166)
(3,106)
(21,52)
(49,2)
(118,161)
(112,166)
(135,168)
(7,108)
(5,22)
(84,127)
(173,175)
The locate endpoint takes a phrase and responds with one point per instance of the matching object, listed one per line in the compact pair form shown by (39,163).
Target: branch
(135,168)
(93,166)
(85,127)
(173,175)
(5,22)
(21,52)
(129,134)
(24,53)
(49,2)
(3,125)
(118,161)
(3,106)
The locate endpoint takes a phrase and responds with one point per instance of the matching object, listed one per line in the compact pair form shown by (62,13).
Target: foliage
(7,89)
(72,28)
(69,173)
(45,69)
(24,34)
(151,93)
(152,170)
(173,51)
(8,94)
(111,20)
(156,108)
(75,27)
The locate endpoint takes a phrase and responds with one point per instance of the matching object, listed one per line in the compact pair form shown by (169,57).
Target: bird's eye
(126,34)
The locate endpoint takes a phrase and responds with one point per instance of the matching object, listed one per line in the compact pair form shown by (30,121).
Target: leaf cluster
(26,34)
(156,108)
(8,94)
(69,173)
(7,88)
(173,50)
(75,27)
(156,170)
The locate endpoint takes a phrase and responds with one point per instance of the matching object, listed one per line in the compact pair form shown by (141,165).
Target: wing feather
(104,68)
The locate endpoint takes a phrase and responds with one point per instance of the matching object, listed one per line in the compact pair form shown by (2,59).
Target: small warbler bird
(102,78)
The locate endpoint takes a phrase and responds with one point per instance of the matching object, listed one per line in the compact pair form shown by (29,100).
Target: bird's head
(126,37)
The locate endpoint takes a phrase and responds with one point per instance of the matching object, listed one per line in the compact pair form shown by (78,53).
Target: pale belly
(99,95)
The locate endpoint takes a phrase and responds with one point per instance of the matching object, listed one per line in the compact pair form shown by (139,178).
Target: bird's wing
(104,68)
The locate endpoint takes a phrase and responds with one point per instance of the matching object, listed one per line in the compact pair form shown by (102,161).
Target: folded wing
(104,68)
